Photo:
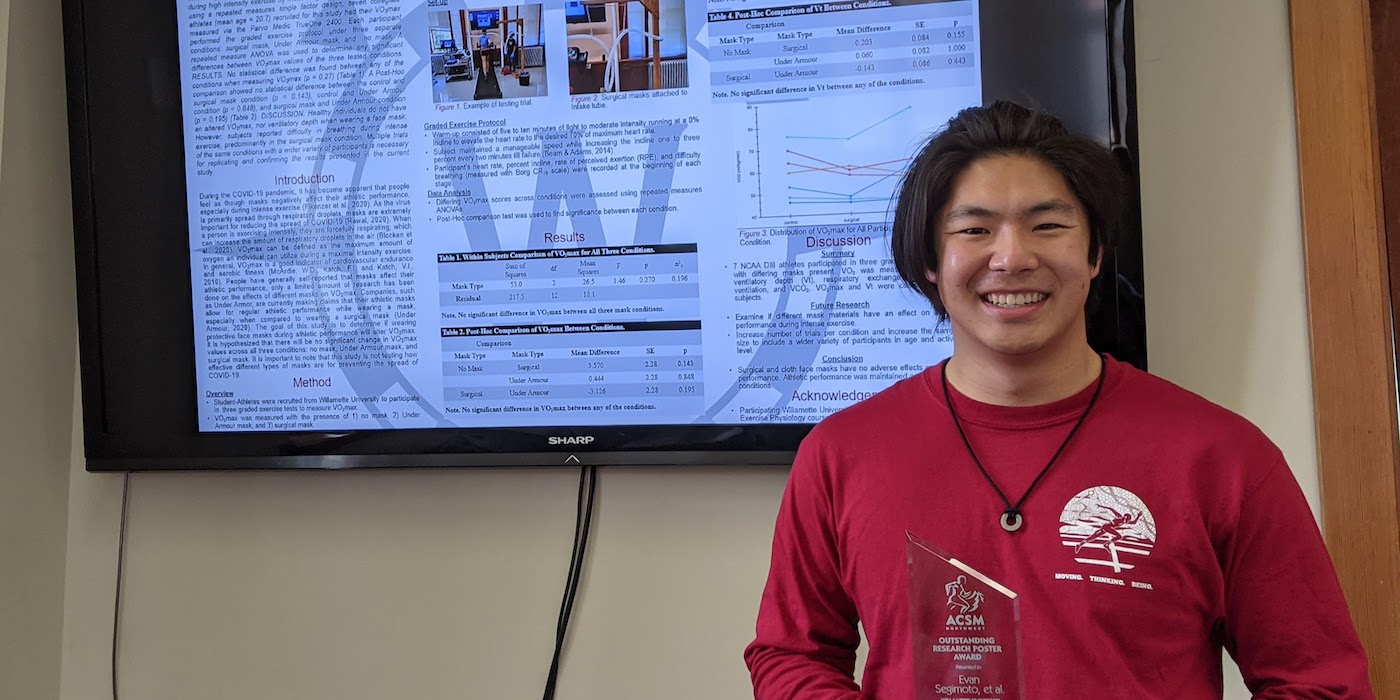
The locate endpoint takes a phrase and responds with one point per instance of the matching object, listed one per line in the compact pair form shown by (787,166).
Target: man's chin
(1019,346)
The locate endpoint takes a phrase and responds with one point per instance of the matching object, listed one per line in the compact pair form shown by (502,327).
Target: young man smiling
(1143,528)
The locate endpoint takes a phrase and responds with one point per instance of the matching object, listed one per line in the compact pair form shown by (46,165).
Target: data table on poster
(648,366)
(836,46)
(645,282)
(573,330)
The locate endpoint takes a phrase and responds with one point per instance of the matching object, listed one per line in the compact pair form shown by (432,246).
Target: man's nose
(1013,251)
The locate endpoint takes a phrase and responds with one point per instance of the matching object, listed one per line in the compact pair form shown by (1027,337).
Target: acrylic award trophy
(966,630)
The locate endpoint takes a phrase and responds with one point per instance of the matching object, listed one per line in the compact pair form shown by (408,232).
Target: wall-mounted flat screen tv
(485,19)
(302,242)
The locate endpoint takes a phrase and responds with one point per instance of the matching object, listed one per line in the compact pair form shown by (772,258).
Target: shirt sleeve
(1286,622)
(806,635)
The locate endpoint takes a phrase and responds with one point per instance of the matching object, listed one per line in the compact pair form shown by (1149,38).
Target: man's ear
(1098,264)
(932,276)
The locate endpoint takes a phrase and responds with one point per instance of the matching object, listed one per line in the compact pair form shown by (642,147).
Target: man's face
(1013,251)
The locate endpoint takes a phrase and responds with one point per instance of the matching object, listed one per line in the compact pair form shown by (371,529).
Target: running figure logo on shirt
(961,598)
(1104,524)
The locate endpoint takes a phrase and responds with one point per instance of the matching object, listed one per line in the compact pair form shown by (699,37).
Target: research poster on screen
(458,214)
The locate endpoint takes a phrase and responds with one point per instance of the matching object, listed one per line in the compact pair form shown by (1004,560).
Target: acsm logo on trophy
(963,602)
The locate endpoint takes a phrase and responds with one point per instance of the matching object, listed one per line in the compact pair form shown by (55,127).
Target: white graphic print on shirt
(1109,527)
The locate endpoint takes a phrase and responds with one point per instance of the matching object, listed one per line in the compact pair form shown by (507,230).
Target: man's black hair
(1000,129)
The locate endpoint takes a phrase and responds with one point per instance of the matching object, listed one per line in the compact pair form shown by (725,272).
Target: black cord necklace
(1011,518)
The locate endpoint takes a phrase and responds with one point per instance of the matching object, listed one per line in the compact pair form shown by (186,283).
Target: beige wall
(1226,306)
(36,349)
(445,584)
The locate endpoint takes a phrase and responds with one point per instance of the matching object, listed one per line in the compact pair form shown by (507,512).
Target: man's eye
(1047,226)
(973,230)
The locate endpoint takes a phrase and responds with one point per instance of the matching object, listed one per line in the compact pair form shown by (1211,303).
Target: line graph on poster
(804,162)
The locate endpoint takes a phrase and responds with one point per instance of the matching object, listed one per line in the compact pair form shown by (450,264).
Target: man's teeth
(1013,300)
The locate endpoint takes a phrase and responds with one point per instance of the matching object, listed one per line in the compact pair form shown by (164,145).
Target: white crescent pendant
(1011,521)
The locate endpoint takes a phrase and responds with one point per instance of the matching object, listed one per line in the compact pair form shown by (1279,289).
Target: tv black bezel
(136,318)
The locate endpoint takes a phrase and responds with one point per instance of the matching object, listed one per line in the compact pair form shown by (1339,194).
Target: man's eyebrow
(969,211)
(977,211)
(1050,206)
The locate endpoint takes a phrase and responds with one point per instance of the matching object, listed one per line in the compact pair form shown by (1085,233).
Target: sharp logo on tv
(570,439)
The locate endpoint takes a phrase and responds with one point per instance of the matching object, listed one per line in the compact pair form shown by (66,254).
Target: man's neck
(1029,380)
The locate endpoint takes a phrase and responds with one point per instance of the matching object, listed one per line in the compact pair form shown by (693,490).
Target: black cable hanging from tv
(583,523)
(117,598)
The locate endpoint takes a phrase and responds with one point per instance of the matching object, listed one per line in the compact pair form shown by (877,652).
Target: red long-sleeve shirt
(1221,551)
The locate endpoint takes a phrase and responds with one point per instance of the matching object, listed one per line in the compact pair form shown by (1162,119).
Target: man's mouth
(1011,301)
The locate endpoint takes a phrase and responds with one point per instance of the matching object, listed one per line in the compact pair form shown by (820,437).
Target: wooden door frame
(1349,316)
